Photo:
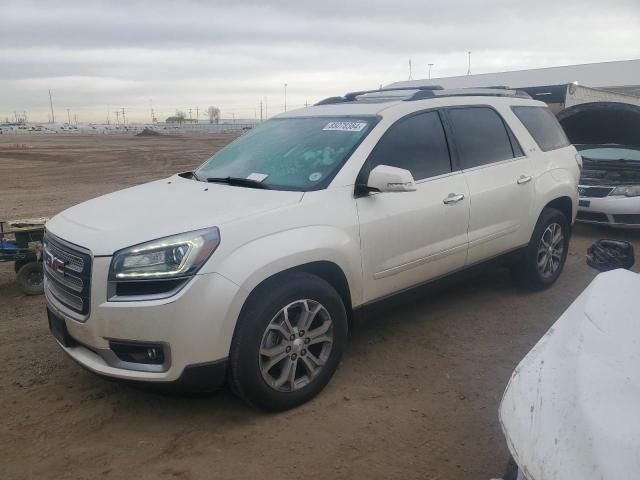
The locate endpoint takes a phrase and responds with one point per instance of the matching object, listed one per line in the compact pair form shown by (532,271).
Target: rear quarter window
(543,126)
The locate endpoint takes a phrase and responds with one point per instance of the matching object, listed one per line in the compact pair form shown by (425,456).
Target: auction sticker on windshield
(258,177)
(345,126)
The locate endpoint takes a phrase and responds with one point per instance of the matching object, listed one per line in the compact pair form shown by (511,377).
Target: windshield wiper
(239,182)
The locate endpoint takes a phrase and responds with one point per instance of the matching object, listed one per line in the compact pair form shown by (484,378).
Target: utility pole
(117,117)
(260,110)
(285,97)
(430,65)
(197,114)
(189,114)
(124,118)
(410,72)
(108,116)
(469,68)
(75,119)
(53,118)
(69,115)
(153,115)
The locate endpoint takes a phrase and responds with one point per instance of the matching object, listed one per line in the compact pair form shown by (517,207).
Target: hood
(161,208)
(570,410)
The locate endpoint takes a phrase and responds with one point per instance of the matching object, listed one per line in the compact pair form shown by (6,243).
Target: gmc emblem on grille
(53,262)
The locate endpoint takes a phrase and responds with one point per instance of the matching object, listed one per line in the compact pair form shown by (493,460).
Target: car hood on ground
(571,408)
(158,209)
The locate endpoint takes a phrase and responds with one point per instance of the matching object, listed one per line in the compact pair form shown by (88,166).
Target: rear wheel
(545,256)
(30,278)
(288,342)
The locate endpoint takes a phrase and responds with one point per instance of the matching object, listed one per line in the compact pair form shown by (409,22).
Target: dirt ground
(416,395)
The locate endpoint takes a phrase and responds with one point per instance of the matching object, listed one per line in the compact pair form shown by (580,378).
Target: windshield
(606,152)
(290,153)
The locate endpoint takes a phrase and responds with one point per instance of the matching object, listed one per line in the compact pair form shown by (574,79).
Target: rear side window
(415,143)
(480,136)
(543,126)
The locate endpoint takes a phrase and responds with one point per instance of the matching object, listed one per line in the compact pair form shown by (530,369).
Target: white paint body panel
(382,243)
(571,409)
(411,237)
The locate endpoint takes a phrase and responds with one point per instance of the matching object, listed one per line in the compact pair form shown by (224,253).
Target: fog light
(152,353)
(138,352)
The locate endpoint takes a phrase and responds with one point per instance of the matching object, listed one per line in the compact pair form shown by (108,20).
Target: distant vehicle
(250,268)
(610,185)
(570,410)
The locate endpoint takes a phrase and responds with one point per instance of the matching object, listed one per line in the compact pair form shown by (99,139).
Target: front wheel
(545,256)
(30,278)
(288,342)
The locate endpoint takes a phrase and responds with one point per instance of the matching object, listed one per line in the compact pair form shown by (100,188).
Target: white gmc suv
(249,269)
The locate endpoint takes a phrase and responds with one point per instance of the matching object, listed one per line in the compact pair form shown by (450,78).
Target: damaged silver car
(610,185)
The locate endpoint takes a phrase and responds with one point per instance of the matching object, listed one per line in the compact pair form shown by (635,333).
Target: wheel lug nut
(302,333)
(303,352)
(292,337)
(307,340)
(294,356)
(288,349)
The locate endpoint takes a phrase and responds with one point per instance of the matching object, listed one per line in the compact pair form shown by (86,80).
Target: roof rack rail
(472,92)
(430,91)
(351,96)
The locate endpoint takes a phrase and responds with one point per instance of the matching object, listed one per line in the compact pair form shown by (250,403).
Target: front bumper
(616,211)
(195,328)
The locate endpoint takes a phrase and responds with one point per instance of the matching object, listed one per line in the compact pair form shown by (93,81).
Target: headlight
(169,257)
(631,191)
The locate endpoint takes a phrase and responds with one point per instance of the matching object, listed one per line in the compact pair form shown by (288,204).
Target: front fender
(254,262)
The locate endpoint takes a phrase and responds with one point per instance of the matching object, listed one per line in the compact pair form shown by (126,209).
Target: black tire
(18,264)
(511,471)
(30,278)
(245,376)
(526,272)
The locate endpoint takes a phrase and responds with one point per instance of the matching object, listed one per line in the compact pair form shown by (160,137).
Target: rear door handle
(453,198)
(524,179)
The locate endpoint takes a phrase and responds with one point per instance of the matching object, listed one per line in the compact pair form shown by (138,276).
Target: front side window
(416,143)
(290,153)
(543,126)
(480,136)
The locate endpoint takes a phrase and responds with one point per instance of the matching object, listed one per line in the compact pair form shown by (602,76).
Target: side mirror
(384,178)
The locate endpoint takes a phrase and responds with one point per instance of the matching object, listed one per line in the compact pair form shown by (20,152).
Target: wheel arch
(329,271)
(564,204)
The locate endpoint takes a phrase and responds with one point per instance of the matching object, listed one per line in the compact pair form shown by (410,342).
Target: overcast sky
(105,55)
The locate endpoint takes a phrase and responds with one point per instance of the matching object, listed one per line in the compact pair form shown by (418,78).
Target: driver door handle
(524,179)
(453,198)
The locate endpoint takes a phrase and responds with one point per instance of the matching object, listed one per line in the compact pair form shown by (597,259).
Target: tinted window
(480,136)
(417,144)
(543,127)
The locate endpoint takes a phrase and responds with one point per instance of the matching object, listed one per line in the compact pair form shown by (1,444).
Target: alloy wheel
(296,345)
(550,250)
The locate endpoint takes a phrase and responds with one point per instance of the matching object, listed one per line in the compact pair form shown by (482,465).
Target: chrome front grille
(67,270)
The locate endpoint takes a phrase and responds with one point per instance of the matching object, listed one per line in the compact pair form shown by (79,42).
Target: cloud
(232,54)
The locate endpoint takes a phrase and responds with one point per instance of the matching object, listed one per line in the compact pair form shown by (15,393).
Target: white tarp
(572,407)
